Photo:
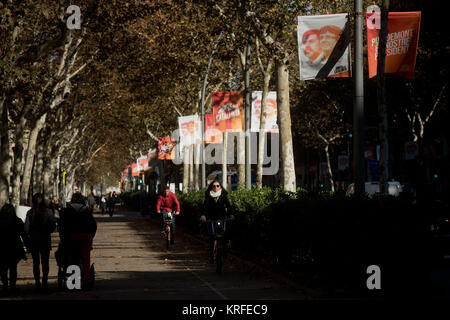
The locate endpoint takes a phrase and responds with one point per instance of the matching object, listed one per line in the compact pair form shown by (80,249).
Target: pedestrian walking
(91,202)
(110,203)
(39,225)
(11,246)
(103,203)
(78,229)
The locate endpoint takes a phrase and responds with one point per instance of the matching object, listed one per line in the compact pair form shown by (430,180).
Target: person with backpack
(11,246)
(77,232)
(39,225)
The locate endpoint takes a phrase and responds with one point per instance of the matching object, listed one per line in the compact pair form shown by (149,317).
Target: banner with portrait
(324,46)
(190,130)
(401,46)
(228,111)
(166,148)
(271,112)
(212,134)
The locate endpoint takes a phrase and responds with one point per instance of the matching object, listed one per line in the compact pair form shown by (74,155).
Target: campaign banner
(324,46)
(411,150)
(228,111)
(152,154)
(142,163)
(190,130)
(212,134)
(401,45)
(166,148)
(134,170)
(271,112)
(343,162)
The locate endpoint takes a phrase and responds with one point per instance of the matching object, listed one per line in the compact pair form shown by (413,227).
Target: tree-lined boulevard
(350,99)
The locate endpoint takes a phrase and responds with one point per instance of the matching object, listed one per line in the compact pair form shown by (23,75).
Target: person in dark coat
(77,231)
(39,225)
(11,246)
(215,207)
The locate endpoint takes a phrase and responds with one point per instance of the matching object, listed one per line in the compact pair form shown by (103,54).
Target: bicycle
(168,228)
(220,247)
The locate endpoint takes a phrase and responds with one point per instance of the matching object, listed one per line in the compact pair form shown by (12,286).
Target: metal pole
(248,171)
(381,86)
(205,80)
(358,110)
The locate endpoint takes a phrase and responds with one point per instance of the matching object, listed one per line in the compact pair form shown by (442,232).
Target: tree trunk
(197,172)
(39,168)
(49,168)
(224,160)
(191,167)
(330,172)
(262,131)
(17,164)
(284,125)
(31,151)
(5,158)
(185,169)
(241,160)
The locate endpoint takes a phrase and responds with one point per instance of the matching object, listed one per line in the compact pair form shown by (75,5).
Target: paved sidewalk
(131,262)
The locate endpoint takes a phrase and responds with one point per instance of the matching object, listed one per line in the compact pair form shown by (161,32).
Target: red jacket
(167,203)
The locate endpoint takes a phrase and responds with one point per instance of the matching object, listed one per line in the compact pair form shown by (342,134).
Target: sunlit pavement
(131,262)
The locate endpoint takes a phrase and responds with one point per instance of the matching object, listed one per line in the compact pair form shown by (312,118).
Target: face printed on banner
(311,45)
(329,36)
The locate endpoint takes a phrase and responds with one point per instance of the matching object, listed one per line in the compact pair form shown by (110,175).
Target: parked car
(371,188)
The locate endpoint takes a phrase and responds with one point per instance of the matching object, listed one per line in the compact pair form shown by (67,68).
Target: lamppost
(205,80)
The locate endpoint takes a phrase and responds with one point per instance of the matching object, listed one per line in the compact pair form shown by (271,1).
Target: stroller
(66,256)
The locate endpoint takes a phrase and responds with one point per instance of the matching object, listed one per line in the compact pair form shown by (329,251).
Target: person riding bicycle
(215,207)
(168,202)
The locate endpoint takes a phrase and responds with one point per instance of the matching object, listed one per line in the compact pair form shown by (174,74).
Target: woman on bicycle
(215,207)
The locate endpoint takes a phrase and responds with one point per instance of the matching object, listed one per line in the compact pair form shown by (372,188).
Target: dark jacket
(39,230)
(77,218)
(11,246)
(219,209)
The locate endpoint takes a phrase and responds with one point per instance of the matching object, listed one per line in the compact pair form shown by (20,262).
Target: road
(131,262)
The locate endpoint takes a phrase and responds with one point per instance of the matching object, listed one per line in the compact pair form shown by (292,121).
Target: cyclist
(168,202)
(215,207)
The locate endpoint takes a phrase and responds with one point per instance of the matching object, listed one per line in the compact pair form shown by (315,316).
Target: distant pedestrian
(103,204)
(39,225)
(91,202)
(11,246)
(110,203)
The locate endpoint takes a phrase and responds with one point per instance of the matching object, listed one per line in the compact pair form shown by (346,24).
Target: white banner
(271,111)
(323,46)
(190,130)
